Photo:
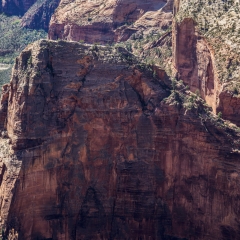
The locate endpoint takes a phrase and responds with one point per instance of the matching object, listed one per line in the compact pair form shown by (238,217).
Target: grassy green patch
(14,38)
(5,76)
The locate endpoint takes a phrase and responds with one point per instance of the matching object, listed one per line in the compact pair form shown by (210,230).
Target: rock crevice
(99,153)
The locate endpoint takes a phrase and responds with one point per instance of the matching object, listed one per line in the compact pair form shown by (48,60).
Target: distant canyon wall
(106,21)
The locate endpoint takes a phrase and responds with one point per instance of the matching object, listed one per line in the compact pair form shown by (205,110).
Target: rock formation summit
(96,146)
(128,141)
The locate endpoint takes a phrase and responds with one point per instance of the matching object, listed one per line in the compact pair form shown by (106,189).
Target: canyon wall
(36,14)
(194,61)
(39,15)
(229,104)
(102,152)
(204,59)
(107,21)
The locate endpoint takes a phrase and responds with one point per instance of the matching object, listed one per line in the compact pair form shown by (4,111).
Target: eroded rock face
(194,61)
(208,65)
(103,156)
(107,21)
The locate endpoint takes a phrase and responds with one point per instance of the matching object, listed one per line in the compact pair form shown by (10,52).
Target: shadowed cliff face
(36,13)
(100,155)
(18,7)
(39,15)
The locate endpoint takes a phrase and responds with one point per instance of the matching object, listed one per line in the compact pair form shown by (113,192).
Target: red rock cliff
(99,153)
(194,61)
(107,21)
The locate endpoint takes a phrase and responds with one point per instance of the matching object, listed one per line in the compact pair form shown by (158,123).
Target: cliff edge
(106,149)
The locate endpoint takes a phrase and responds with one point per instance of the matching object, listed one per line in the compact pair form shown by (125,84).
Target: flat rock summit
(124,124)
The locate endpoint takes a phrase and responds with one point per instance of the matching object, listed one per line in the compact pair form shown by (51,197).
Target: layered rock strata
(103,152)
(107,21)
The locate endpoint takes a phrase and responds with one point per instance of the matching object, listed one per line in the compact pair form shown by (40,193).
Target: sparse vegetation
(5,76)
(218,21)
(14,38)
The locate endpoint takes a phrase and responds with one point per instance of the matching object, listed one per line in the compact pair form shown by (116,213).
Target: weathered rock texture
(194,60)
(203,56)
(107,21)
(39,15)
(229,104)
(103,156)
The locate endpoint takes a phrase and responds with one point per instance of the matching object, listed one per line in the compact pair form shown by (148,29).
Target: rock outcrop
(105,150)
(107,21)
(194,61)
(204,57)
(229,103)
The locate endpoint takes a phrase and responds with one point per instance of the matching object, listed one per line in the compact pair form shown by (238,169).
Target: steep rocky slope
(100,142)
(206,52)
(109,20)
(36,13)
(39,15)
(205,40)
(104,150)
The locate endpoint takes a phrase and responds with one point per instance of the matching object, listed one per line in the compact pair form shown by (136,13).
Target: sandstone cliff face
(102,155)
(107,21)
(229,104)
(194,61)
(204,57)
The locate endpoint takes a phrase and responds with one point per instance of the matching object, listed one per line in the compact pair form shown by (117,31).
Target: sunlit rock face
(107,21)
(206,53)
